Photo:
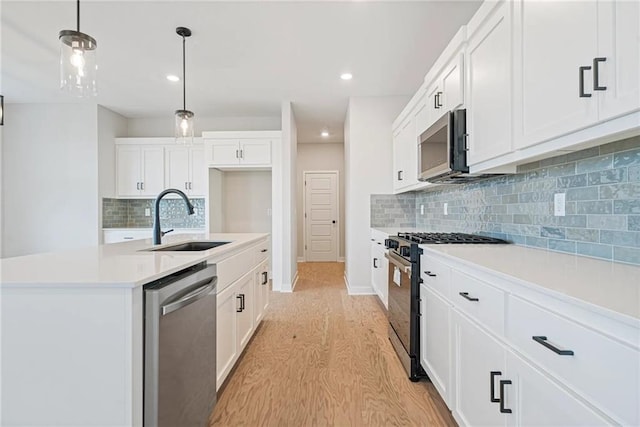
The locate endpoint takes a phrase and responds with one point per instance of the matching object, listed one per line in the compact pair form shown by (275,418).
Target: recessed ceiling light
(325,133)
(346,76)
(173,78)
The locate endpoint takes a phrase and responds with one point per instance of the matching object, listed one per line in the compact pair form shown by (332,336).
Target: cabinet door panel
(255,152)
(224,152)
(398,154)
(199,172)
(435,346)
(244,290)
(618,27)
(152,170)
(477,354)
(226,340)
(452,84)
(128,171)
(553,40)
(489,89)
(537,401)
(177,168)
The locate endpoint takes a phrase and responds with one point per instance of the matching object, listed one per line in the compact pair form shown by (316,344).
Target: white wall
(163,126)
(285,268)
(320,157)
(111,125)
(50,179)
(246,201)
(368,170)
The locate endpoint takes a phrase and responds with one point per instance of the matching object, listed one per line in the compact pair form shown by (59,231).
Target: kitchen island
(72,325)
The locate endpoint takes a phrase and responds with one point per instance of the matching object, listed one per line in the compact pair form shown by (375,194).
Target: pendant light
(78,66)
(184,117)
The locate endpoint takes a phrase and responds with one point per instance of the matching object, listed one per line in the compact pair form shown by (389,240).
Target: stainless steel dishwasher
(180,348)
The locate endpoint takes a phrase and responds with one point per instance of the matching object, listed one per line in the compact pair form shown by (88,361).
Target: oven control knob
(405,251)
(391,244)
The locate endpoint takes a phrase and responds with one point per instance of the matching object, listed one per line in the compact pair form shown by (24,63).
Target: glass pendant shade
(184,127)
(78,66)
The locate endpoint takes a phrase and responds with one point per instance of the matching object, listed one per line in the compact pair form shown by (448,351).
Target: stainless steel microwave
(442,151)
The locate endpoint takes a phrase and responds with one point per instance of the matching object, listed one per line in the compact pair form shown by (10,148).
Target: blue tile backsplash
(130,213)
(602,191)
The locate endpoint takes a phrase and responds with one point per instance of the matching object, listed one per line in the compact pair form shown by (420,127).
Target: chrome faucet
(157,234)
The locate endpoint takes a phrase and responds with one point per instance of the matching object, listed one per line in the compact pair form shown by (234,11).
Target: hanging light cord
(78,17)
(184,82)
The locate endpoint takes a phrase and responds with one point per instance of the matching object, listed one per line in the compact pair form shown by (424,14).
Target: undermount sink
(190,246)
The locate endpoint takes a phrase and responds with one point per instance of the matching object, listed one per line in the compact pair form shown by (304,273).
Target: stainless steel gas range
(404,291)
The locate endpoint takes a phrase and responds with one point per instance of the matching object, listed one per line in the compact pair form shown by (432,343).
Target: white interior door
(321,216)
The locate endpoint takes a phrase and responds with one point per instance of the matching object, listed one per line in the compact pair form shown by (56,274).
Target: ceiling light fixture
(346,76)
(325,134)
(184,117)
(78,65)
(173,78)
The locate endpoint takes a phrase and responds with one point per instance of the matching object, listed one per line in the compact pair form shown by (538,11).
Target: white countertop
(118,264)
(604,284)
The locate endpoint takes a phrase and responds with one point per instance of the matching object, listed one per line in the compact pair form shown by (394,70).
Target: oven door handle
(399,262)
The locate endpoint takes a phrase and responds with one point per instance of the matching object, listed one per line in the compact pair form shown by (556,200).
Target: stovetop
(449,238)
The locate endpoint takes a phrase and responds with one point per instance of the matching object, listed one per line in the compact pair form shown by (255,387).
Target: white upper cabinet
(619,44)
(576,64)
(488,94)
(452,84)
(555,44)
(232,150)
(139,170)
(405,150)
(185,169)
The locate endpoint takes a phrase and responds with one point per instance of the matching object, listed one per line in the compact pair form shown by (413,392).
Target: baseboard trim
(366,290)
(288,288)
(301,259)
(341,259)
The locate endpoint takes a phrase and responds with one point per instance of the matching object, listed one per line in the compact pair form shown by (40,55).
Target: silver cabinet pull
(142,185)
(237,151)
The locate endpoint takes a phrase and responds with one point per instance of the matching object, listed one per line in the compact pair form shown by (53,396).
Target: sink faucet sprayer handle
(162,233)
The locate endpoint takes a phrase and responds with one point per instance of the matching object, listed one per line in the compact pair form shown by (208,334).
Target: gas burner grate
(448,238)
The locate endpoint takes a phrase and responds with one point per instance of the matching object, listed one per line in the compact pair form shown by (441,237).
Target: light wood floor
(322,357)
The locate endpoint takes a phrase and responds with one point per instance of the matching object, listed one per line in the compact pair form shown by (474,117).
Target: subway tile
(572,181)
(586,193)
(528,166)
(595,164)
(583,235)
(572,221)
(535,197)
(633,173)
(584,154)
(553,232)
(595,207)
(554,160)
(626,158)
(562,170)
(595,250)
(620,238)
(634,222)
(562,246)
(626,207)
(607,222)
(537,242)
(522,219)
(620,191)
(607,176)
(628,255)
(510,198)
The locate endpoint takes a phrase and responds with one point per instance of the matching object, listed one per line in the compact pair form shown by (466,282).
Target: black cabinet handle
(492,379)
(263,250)
(265,277)
(239,310)
(581,82)
(399,175)
(543,341)
(435,101)
(237,151)
(430,274)
(596,74)
(242,302)
(438,95)
(375,264)
(466,296)
(502,408)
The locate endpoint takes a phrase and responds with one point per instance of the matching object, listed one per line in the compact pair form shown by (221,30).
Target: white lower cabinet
(379,266)
(242,301)
(479,362)
(435,345)
(535,400)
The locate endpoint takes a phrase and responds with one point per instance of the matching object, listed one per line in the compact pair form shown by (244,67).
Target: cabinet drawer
(260,252)
(436,275)
(601,370)
(230,269)
(479,300)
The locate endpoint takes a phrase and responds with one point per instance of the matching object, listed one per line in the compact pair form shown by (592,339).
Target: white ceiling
(243,59)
